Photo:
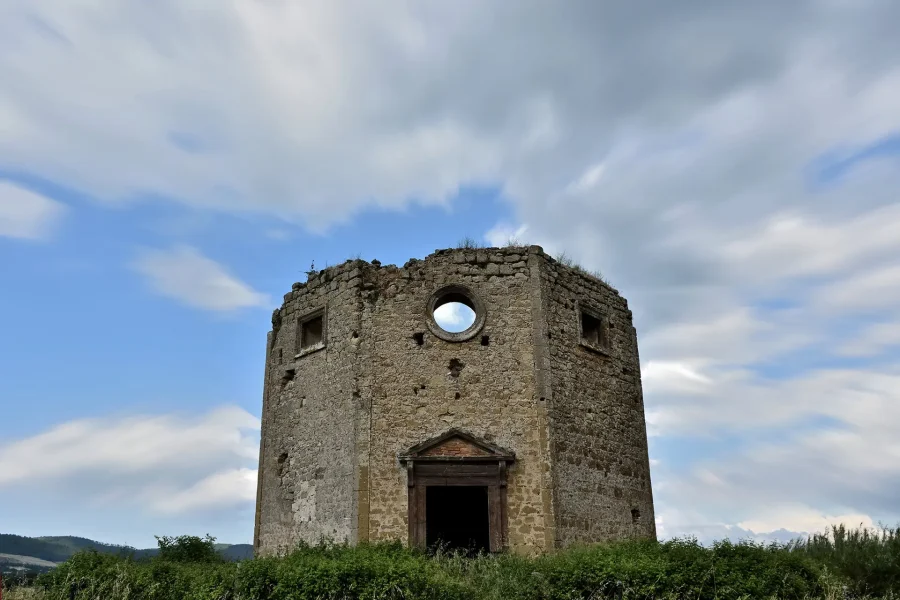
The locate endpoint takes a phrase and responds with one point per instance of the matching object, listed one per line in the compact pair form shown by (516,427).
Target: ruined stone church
(523,431)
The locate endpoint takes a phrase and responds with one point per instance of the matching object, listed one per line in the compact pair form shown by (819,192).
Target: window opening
(312,332)
(593,331)
(454,313)
(287,376)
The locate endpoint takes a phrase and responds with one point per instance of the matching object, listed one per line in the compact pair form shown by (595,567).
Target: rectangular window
(594,332)
(590,329)
(311,332)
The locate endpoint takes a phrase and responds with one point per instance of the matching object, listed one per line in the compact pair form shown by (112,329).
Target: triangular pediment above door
(456,445)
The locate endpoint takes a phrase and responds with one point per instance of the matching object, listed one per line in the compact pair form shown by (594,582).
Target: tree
(188,548)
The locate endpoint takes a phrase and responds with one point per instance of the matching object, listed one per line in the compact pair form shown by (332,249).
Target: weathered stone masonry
(357,374)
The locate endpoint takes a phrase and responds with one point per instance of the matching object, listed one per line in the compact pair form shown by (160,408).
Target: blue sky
(167,173)
(110,330)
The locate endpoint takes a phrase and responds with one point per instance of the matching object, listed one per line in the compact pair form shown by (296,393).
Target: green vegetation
(468,243)
(54,549)
(841,564)
(568,261)
(188,549)
(37,554)
(514,242)
(868,561)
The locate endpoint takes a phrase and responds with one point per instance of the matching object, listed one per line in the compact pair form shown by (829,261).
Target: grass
(566,260)
(468,243)
(868,559)
(514,242)
(841,563)
(21,593)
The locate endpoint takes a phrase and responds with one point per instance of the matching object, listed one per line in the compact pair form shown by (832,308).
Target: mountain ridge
(19,552)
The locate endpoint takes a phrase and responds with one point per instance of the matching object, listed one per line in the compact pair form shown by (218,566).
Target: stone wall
(416,396)
(601,468)
(336,417)
(307,461)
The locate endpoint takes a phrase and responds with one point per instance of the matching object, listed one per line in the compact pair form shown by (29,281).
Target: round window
(455,314)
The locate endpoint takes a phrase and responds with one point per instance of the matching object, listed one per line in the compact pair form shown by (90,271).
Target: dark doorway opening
(457,493)
(457,518)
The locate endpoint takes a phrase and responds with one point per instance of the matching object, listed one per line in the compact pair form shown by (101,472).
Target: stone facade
(357,373)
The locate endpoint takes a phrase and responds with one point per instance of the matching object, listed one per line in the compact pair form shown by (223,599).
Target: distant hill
(237,551)
(229,551)
(41,553)
(12,563)
(53,549)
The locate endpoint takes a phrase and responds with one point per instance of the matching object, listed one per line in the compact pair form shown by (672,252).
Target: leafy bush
(869,560)
(647,569)
(12,580)
(840,564)
(322,572)
(188,549)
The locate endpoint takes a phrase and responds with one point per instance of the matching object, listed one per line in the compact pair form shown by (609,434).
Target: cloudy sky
(168,169)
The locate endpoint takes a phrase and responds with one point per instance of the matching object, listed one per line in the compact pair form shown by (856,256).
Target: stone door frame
(481,464)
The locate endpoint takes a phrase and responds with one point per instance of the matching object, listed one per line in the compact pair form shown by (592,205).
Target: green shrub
(674,569)
(324,572)
(820,567)
(868,560)
(188,549)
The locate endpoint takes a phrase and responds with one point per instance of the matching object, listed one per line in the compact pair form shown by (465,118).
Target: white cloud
(188,276)
(454,316)
(872,289)
(224,489)
(839,460)
(669,376)
(502,234)
(169,463)
(672,149)
(27,215)
(816,247)
(803,519)
(738,335)
(588,180)
(739,400)
(873,339)
(779,524)
(129,445)
(148,109)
